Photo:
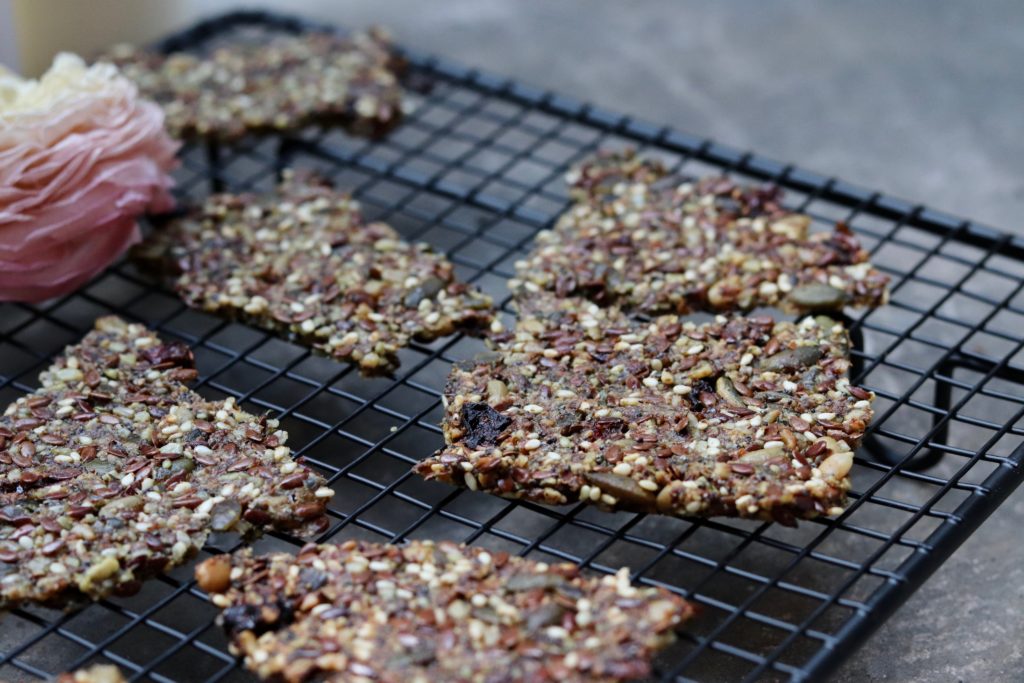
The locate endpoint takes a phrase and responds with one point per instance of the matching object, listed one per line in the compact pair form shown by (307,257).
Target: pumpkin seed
(627,490)
(761,455)
(816,296)
(792,359)
(496,390)
(727,391)
(528,582)
(225,515)
(427,289)
(118,505)
(547,614)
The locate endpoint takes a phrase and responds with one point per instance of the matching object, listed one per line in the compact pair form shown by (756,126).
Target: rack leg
(284,156)
(213,158)
(942,401)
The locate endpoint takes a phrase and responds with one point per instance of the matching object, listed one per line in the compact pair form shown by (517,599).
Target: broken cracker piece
(740,417)
(114,471)
(430,611)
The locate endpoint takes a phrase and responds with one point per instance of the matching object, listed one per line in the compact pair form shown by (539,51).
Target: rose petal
(81,156)
(80,262)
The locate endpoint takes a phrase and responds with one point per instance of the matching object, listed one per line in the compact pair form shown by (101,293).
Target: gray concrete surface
(965,624)
(920,98)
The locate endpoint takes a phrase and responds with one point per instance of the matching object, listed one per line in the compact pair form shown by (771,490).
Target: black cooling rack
(476,170)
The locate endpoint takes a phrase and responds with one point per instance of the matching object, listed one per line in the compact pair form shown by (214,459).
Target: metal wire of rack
(476,169)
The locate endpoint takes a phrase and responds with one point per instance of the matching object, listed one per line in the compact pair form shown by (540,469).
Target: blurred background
(920,99)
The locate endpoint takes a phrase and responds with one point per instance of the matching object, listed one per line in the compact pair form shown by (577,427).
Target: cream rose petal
(81,157)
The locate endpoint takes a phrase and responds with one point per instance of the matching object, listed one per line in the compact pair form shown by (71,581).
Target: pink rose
(81,157)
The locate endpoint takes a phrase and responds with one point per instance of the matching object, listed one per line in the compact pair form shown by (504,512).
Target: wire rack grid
(476,170)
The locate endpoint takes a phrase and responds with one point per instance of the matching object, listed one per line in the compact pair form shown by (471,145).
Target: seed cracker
(301,261)
(114,471)
(654,243)
(282,84)
(428,611)
(742,417)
